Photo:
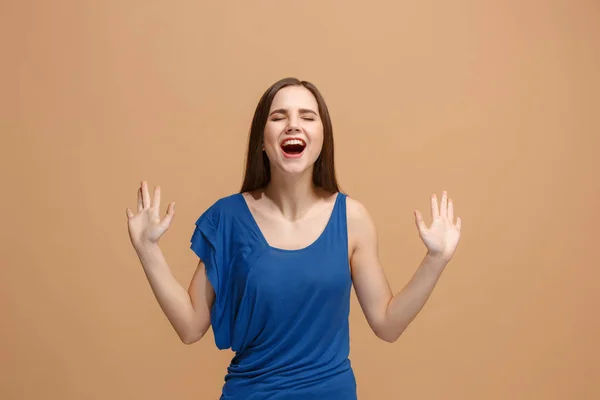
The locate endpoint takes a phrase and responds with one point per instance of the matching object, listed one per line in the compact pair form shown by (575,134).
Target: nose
(293,125)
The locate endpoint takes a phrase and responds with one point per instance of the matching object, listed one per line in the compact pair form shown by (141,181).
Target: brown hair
(258,171)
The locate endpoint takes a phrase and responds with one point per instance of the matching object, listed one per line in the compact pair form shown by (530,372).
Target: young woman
(278,260)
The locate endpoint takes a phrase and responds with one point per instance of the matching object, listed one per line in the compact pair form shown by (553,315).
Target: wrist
(436,260)
(145,247)
(142,244)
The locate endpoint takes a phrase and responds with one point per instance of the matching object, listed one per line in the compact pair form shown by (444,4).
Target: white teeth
(292,141)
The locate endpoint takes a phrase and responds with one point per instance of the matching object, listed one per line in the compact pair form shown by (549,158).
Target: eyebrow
(302,111)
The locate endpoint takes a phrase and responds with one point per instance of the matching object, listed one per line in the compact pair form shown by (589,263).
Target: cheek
(317,141)
(270,137)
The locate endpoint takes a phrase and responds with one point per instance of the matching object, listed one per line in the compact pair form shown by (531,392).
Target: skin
(291,213)
(389,315)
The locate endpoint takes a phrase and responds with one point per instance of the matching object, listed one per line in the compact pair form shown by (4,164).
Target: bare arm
(387,314)
(187,311)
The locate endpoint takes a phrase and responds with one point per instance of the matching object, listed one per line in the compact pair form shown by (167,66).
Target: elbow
(189,339)
(389,338)
(389,335)
(190,336)
(193,332)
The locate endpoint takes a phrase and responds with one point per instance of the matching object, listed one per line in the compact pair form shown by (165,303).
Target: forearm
(173,299)
(405,305)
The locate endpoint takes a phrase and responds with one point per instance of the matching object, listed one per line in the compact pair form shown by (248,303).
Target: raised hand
(146,226)
(442,237)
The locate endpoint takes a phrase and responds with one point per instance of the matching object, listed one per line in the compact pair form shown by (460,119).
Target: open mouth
(293,147)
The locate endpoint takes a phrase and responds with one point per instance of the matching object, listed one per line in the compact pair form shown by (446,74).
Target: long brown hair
(258,170)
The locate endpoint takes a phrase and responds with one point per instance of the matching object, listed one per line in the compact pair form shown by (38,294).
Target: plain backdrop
(497,102)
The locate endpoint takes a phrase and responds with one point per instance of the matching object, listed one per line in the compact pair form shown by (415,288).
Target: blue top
(283,312)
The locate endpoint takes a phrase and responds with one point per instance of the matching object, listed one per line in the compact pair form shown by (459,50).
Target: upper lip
(292,138)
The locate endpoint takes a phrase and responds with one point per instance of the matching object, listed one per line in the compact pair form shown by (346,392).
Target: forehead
(294,97)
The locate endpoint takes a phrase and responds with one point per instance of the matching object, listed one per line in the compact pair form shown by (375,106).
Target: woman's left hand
(442,237)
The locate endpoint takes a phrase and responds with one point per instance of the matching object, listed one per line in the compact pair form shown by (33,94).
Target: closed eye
(306,114)
(304,118)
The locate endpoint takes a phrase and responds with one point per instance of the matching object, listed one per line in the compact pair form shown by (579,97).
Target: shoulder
(361,227)
(228,202)
(356,210)
(223,207)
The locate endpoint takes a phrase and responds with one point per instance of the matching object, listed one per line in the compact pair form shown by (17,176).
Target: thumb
(166,222)
(419,221)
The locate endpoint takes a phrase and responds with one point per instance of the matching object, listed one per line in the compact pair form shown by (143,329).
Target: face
(293,136)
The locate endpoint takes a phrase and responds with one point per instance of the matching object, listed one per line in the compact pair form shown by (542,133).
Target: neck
(293,195)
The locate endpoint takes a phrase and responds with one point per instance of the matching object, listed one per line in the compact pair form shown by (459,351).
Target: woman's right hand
(145,226)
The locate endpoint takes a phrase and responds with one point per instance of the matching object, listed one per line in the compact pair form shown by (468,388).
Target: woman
(278,260)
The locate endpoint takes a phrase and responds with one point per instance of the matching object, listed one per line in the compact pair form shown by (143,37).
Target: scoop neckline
(279,249)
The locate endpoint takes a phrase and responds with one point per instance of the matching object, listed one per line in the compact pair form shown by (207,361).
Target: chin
(295,166)
(295,170)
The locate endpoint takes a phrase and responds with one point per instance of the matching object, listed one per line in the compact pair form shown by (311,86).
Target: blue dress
(283,312)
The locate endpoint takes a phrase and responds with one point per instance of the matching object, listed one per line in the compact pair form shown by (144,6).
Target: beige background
(497,102)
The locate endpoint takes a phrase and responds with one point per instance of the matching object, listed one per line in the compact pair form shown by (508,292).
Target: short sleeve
(207,243)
